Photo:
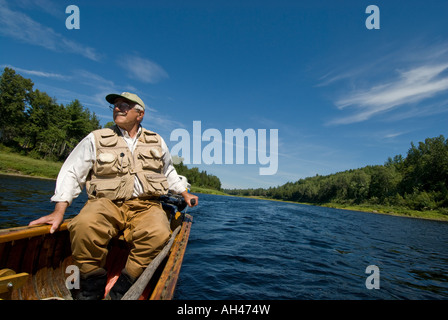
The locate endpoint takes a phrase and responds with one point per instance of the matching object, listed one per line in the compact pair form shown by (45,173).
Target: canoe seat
(9,280)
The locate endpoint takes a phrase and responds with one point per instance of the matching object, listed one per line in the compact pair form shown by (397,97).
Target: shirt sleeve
(174,182)
(73,174)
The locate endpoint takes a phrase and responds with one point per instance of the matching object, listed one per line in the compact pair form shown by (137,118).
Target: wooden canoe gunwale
(45,257)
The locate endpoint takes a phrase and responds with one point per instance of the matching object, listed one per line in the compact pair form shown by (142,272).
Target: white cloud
(20,26)
(392,81)
(393,135)
(47,6)
(143,69)
(412,85)
(36,72)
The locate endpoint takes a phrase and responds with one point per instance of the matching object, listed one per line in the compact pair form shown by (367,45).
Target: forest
(418,182)
(35,125)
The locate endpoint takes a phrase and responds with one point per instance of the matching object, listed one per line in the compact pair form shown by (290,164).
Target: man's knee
(154,237)
(161,237)
(96,215)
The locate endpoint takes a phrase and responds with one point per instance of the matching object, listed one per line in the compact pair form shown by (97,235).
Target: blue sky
(340,95)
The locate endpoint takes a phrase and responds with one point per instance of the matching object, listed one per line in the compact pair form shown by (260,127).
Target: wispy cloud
(20,26)
(402,80)
(37,73)
(393,135)
(48,6)
(143,69)
(412,85)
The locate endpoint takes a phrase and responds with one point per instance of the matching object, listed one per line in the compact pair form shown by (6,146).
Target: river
(243,248)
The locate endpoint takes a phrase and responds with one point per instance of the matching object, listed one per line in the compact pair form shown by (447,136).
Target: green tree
(42,113)
(358,189)
(384,182)
(14,97)
(426,166)
(77,123)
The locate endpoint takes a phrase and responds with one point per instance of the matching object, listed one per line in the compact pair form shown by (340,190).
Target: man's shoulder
(149,131)
(105,131)
(151,136)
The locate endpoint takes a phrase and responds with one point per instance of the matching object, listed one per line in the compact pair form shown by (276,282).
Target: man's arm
(73,174)
(188,197)
(70,181)
(172,177)
(55,218)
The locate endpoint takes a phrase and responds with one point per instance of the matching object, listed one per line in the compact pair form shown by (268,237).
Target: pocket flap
(150,137)
(158,181)
(107,185)
(156,152)
(106,157)
(108,140)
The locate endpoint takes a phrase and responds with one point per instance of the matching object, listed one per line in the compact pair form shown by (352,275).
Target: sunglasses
(122,106)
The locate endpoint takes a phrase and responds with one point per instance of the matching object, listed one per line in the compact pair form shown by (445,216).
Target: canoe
(37,265)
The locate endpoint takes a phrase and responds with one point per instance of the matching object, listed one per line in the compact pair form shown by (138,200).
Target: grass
(195,189)
(379,209)
(14,163)
(393,210)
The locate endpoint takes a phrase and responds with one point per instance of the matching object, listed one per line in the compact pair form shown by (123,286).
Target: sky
(338,94)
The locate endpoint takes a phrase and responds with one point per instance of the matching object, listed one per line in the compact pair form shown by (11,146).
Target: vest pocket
(105,189)
(110,163)
(157,184)
(151,160)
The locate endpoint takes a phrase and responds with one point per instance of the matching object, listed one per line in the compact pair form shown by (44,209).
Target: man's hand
(55,218)
(188,197)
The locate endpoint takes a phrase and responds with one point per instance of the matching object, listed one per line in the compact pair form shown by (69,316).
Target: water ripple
(254,249)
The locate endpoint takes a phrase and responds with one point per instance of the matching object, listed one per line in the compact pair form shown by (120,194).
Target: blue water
(254,249)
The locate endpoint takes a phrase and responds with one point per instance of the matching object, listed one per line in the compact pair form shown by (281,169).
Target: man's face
(125,114)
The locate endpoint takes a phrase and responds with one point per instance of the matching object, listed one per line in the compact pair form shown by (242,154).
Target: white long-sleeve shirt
(73,174)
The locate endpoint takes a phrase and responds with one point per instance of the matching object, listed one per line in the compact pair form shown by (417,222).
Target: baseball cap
(127,95)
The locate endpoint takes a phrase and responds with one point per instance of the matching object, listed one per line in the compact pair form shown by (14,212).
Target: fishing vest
(113,174)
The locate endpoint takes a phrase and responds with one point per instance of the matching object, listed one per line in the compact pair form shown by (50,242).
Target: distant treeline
(419,181)
(34,124)
(198,179)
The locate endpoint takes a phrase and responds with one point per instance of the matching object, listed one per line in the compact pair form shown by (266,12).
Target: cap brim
(111,97)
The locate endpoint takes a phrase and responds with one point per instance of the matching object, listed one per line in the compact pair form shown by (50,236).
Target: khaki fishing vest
(113,174)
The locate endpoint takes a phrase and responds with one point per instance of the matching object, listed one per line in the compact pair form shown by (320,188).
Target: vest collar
(125,134)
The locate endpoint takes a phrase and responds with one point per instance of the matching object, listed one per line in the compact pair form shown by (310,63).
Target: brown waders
(145,227)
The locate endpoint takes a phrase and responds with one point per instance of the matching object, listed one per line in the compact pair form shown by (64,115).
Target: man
(125,169)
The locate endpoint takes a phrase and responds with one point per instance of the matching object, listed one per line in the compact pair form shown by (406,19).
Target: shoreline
(23,175)
(406,214)
(410,213)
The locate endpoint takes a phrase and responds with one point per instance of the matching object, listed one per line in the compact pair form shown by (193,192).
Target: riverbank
(15,164)
(378,209)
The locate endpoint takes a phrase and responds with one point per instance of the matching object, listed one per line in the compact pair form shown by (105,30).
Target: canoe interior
(45,258)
